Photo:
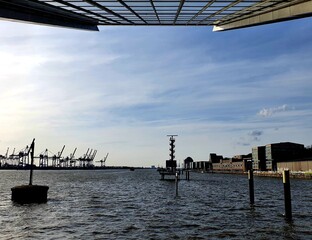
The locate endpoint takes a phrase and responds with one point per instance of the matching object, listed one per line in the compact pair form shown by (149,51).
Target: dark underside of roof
(89,14)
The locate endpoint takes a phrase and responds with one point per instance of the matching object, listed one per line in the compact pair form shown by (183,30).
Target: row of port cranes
(47,159)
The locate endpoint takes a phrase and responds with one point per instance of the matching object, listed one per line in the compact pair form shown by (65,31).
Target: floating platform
(166,172)
(30,194)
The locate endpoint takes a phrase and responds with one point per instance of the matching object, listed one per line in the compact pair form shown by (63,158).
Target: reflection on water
(106,204)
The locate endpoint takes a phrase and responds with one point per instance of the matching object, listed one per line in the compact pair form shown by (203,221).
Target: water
(107,204)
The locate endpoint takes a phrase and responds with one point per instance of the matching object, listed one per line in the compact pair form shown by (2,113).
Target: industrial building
(238,163)
(216,163)
(271,157)
(281,152)
(279,156)
(296,165)
(258,157)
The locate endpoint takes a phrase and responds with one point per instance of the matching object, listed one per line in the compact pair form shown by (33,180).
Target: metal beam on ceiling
(34,11)
(299,10)
(89,14)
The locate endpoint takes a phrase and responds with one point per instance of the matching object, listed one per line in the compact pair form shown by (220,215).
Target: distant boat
(131,168)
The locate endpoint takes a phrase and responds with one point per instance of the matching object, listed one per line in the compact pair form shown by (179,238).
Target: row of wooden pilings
(286,183)
(287,194)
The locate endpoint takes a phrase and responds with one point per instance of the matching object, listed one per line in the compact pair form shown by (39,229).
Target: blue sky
(123,89)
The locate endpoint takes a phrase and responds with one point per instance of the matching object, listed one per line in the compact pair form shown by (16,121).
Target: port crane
(87,159)
(4,158)
(20,159)
(23,156)
(91,158)
(72,161)
(83,158)
(56,159)
(69,159)
(44,159)
(102,161)
(48,159)
(10,160)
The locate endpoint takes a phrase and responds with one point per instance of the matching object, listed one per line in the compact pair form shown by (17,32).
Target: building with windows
(268,157)
(282,152)
(214,158)
(201,166)
(303,165)
(188,162)
(258,158)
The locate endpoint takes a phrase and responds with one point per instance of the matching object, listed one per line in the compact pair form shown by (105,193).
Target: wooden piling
(287,194)
(187,175)
(176,183)
(162,176)
(251,186)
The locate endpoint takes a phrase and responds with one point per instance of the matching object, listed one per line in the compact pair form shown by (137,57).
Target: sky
(124,89)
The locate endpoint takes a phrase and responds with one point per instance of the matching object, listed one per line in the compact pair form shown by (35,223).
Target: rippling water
(107,204)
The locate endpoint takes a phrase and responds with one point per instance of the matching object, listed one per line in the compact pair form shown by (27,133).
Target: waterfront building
(188,162)
(271,157)
(228,165)
(238,163)
(201,166)
(258,158)
(281,152)
(214,158)
(304,165)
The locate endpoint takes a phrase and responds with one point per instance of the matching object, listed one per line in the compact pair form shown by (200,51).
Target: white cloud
(267,112)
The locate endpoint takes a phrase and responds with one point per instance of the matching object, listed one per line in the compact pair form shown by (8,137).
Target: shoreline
(71,168)
(294,175)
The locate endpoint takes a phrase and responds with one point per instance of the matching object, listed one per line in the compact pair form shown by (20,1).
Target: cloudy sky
(123,89)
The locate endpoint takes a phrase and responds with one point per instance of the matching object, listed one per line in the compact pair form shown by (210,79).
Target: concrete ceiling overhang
(89,14)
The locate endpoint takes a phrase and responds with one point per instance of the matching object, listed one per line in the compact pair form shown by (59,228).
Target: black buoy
(30,193)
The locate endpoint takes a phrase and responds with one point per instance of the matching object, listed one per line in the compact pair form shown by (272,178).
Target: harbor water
(123,204)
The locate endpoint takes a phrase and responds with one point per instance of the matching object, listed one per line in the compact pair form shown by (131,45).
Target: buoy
(30,193)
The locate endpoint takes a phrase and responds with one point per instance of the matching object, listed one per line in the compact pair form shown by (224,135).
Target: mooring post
(176,183)
(287,194)
(187,175)
(251,187)
(162,176)
(32,148)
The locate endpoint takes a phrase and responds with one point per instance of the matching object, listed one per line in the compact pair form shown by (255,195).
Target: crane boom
(85,156)
(73,154)
(6,155)
(60,154)
(90,154)
(94,153)
(106,157)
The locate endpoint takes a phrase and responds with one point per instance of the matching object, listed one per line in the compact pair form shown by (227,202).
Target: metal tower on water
(171,164)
